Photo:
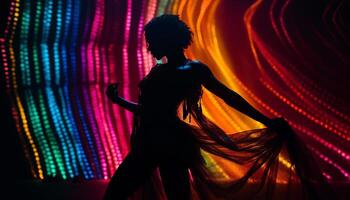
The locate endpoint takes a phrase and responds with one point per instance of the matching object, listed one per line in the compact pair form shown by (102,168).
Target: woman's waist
(159,114)
(159,121)
(163,129)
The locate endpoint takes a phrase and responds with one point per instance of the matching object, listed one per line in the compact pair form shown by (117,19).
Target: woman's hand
(112,92)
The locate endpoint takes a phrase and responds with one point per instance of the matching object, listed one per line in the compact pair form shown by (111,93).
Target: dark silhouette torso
(163,89)
(160,129)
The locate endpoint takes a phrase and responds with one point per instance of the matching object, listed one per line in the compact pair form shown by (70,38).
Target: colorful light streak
(57,68)
(7,54)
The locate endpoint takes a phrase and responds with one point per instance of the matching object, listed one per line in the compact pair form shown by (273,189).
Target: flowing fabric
(255,151)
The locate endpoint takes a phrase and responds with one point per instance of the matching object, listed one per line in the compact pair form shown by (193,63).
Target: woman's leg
(133,171)
(175,179)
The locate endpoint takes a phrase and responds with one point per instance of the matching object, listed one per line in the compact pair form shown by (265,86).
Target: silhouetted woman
(162,142)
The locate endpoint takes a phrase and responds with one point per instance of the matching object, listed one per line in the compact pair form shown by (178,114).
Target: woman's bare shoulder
(200,69)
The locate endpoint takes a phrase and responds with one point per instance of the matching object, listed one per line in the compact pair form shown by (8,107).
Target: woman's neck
(176,59)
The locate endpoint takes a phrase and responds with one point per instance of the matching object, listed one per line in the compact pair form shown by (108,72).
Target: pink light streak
(126,75)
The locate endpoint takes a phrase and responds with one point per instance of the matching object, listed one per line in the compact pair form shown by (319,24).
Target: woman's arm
(130,106)
(112,94)
(230,97)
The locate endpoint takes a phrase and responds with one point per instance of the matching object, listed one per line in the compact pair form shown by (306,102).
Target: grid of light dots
(68,127)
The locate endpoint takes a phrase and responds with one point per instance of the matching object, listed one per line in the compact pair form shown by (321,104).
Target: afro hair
(168,31)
